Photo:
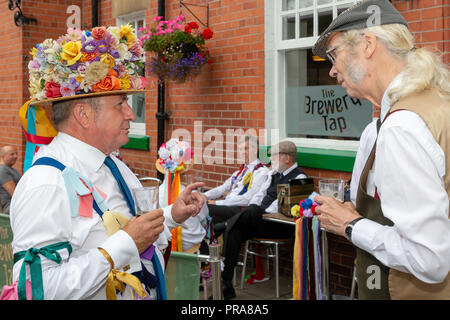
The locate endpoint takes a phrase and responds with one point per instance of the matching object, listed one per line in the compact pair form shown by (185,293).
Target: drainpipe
(161,115)
(94,5)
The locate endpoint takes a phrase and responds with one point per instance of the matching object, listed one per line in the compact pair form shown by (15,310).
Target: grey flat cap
(286,147)
(364,14)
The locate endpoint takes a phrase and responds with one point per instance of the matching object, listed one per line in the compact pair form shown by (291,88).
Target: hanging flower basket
(179,47)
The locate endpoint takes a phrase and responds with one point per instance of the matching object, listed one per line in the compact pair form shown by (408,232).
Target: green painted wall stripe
(329,159)
(138,142)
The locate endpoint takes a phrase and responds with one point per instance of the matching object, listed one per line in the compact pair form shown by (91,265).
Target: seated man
(241,187)
(9,177)
(248,223)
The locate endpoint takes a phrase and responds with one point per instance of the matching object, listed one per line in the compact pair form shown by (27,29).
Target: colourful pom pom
(308,202)
(294,210)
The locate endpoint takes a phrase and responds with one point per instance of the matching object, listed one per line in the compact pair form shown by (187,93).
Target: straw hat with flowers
(79,64)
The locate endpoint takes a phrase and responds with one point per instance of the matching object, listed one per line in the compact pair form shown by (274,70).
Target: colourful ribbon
(32,258)
(175,187)
(116,281)
(37,128)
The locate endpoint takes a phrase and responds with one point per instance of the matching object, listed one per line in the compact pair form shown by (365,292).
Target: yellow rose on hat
(71,52)
(125,82)
(107,59)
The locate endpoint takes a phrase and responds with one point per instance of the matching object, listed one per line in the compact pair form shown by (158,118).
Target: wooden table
(281,218)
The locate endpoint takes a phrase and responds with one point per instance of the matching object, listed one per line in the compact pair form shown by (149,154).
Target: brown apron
(395,284)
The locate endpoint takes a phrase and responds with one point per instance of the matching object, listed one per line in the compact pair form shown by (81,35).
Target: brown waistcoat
(435,111)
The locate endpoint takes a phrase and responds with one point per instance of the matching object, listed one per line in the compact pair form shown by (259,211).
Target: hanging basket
(179,49)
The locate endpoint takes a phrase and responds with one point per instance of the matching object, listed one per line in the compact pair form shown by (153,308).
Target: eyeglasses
(331,55)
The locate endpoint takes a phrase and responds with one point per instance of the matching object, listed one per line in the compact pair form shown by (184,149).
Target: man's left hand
(333,215)
(188,203)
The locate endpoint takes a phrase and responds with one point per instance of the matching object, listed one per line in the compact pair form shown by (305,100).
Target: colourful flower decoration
(180,50)
(80,62)
(175,155)
(306,208)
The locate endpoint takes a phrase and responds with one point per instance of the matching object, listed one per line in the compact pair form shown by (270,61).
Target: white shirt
(40,216)
(258,198)
(233,198)
(408,172)
(366,142)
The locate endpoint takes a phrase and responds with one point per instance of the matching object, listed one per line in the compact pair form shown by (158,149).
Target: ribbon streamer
(116,281)
(32,258)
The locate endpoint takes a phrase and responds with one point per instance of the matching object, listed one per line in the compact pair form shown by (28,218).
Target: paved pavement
(259,291)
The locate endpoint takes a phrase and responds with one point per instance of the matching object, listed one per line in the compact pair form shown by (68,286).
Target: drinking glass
(145,199)
(333,188)
(191,178)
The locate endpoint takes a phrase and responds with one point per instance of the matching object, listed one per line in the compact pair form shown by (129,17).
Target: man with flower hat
(72,215)
(401,223)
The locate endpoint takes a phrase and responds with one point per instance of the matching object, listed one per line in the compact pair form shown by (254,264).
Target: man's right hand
(145,230)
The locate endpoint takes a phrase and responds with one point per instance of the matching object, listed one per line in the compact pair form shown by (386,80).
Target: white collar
(285,172)
(385,101)
(90,156)
(253,163)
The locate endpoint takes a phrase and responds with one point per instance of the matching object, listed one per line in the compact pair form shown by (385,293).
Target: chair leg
(244,264)
(277,284)
(352,292)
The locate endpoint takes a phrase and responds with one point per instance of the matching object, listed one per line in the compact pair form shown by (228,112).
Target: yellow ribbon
(117,280)
(248,179)
(113,221)
(44,127)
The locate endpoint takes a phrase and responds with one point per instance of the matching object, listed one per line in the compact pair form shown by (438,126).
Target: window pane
(306,3)
(288,27)
(138,106)
(316,107)
(306,24)
(288,5)
(319,2)
(325,18)
(140,24)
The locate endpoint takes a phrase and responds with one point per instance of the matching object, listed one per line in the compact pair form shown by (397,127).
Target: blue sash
(74,186)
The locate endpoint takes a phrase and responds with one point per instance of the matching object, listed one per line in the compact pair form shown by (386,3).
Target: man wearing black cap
(400,225)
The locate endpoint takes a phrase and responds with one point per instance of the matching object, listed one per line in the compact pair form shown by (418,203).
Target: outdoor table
(280,218)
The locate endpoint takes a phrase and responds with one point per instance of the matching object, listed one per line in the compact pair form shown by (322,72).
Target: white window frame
(275,64)
(136,128)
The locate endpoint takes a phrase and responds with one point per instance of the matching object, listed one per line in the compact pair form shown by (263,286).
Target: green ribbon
(33,259)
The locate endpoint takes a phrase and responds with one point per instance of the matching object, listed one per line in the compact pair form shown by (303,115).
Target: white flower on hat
(163,153)
(171,143)
(124,54)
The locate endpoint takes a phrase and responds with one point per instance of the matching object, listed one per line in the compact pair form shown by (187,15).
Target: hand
(145,230)
(188,203)
(211,201)
(333,215)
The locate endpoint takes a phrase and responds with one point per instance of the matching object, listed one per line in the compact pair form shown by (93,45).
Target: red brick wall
(11,74)
(228,94)
(429,20)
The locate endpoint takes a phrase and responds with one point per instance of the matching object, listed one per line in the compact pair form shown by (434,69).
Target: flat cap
(285,147)
(364,14)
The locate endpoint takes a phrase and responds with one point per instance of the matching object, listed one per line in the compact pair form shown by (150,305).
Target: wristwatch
(349,228)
